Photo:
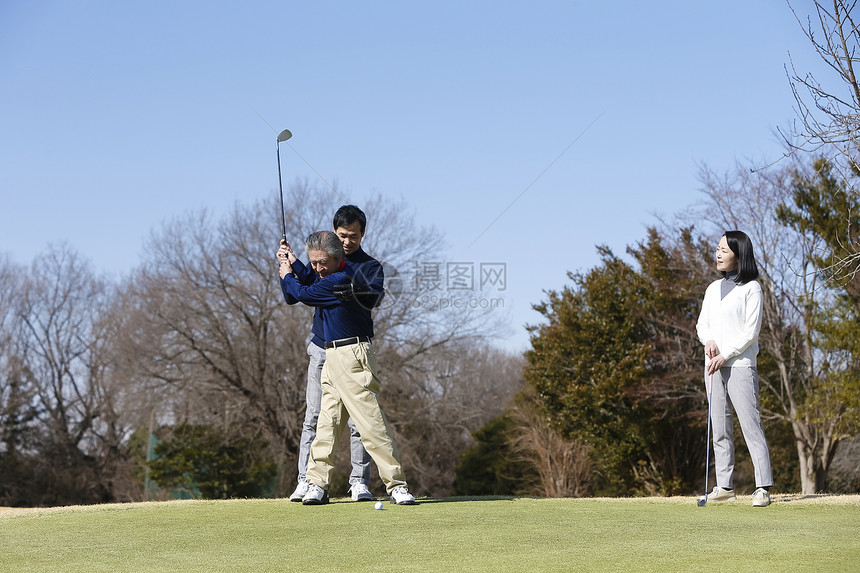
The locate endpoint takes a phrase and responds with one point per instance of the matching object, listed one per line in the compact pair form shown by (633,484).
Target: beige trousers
(350,389)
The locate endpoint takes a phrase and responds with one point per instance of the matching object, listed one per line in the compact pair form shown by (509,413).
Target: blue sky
(116,116)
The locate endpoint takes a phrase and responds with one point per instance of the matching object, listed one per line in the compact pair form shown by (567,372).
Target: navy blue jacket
(368,280)
(339,319)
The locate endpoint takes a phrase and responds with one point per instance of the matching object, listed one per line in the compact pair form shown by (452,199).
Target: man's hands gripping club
(285,257)
(344,292)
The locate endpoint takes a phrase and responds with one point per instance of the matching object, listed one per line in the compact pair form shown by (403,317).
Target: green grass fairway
(796,533)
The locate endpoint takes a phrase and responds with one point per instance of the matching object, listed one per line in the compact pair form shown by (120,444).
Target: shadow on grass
(423,500)
(792,497)
(456,499)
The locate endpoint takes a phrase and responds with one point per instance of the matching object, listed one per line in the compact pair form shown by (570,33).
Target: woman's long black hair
(741,246)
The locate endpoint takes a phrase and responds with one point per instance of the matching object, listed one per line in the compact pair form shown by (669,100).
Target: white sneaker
(761,498)
(401,496)
(301,490)
(360,492)
(720,494)
(315,495)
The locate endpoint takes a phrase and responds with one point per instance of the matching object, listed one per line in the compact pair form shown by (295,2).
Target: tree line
(615,371)
(188,373)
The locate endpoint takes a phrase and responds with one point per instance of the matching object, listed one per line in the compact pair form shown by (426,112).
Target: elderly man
(349,224)
(350,386)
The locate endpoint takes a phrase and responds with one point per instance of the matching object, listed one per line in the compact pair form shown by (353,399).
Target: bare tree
(207,329)
(62,347)
(565,466)
(828,115)
(436,401)
(409,319)
(18,411)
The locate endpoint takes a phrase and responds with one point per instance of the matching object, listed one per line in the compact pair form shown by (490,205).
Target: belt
(347,341)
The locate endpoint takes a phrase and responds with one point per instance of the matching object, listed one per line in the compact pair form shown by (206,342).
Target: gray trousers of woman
(738,388)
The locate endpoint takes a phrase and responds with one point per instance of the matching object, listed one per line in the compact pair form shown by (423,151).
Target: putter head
(702,501)
(284,135)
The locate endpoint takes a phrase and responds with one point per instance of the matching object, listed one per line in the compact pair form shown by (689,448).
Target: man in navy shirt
(349,224)
(350,386)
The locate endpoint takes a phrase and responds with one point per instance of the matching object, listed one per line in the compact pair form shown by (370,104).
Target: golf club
(283,136)
(701,502)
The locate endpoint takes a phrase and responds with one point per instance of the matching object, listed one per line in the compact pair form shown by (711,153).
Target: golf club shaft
(708,435)
(281,189)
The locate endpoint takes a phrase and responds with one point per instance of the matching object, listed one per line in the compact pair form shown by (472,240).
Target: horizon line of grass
(496,533)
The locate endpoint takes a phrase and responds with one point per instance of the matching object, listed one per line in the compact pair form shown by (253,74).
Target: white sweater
(733,323)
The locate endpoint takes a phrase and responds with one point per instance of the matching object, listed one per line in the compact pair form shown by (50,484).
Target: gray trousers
(738,388)
(313,396)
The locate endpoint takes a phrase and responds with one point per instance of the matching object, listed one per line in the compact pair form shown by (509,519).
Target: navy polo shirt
(368,281)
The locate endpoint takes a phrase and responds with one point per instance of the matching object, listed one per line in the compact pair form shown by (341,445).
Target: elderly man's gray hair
(325,241)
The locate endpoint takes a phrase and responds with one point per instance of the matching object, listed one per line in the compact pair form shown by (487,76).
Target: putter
(704,500)
(283,136)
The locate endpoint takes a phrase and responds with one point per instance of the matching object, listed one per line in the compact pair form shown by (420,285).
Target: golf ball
(378,505)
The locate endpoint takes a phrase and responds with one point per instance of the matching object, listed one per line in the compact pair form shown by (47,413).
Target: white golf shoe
(299,493)
(401,496)
(360,492)
(720,494)
(761,498)
(315,495)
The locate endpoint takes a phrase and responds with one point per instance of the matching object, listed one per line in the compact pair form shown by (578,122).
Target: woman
(729,326)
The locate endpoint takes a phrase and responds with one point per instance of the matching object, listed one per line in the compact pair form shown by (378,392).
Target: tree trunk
(807,461)
(815,454)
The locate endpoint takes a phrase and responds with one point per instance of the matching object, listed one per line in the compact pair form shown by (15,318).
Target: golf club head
(284,135)
(701,502)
